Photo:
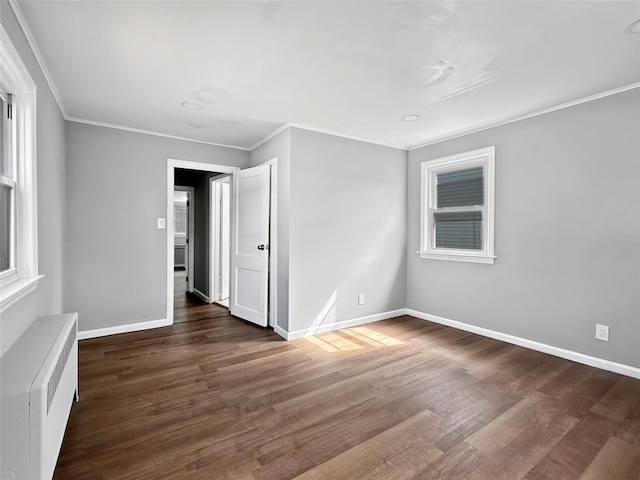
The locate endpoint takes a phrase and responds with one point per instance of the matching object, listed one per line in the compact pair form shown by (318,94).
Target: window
(457,207)
(7,188)
(18,219)
(180,217)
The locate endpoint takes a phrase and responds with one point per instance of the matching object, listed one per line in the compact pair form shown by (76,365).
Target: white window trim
(16,76)
(484,157)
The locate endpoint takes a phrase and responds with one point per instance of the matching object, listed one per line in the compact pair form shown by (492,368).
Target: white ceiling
(351,68)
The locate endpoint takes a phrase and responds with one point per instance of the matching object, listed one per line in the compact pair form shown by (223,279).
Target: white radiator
(39,383)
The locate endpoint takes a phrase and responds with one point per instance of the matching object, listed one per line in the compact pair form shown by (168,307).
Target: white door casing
(220,239)
(250,244)
(172,164)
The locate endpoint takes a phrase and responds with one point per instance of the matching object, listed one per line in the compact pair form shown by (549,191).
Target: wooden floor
(188,306)
(398,399)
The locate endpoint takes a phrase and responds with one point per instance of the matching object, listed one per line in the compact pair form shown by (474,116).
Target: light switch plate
(162,223)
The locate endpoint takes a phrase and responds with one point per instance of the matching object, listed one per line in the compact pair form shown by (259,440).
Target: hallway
(188,306)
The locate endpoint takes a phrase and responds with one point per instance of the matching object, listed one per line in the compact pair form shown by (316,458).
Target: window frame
(484,157)
(17,81)
(8,178)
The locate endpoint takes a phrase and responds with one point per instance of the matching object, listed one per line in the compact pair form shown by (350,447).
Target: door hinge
(187,241)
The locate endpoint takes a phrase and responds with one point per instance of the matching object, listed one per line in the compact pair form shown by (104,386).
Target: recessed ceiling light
(191,106)
(411,118)
(633,28)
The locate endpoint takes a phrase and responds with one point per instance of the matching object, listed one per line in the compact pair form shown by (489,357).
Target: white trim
(269,137)
(131,327)
(201,295)
(478,128)
(533,345)
(150,132)
(215,236)
(494,124)
(425,143)
(273,243)
(16,76)
(342,135)
(280,331)
(172,164)
(329,327)
(201,167)
(15,6)
(458,257)
(484,157)
(17,289)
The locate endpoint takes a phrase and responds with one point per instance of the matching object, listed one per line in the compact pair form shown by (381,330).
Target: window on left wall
(18,212)
(7,188)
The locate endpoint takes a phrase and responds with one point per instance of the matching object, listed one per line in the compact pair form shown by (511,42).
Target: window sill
(16,289)
(458,257)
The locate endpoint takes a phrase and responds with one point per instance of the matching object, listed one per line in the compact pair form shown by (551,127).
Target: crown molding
(341,135)
(488,126)
(24,26)
(149,132)
(320,130)
(442,138)
(269,137)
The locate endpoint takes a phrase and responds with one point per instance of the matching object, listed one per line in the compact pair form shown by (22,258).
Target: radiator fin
(54,380)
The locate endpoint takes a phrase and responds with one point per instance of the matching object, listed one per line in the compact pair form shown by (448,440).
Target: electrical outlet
(602,332)
(361,299)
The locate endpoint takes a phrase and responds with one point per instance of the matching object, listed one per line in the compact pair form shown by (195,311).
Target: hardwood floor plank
(521,437)
(617,459)
(630,431)
(217,398)
(384,455)
(570,457)
(461,462)
(622,401)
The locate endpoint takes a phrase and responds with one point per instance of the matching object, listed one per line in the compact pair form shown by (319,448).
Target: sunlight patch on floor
(327,347)
(379,337)
(338,341)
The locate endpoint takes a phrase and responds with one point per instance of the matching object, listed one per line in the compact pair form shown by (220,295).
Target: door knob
(261,247)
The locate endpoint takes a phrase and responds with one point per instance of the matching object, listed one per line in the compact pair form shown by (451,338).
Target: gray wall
(567,232)
(47,299)
(280,147)
(116,256)
(347,229)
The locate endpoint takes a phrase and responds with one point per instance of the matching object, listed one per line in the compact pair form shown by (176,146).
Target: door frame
(273,243)
(172,164)
(189,265)
(215,235)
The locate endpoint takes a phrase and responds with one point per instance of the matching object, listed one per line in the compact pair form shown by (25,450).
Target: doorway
(172,167)
(183,232)
(195,305)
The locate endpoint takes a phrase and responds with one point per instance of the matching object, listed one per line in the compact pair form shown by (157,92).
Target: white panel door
(250,244)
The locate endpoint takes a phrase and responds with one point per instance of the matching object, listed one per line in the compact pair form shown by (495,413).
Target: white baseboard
(281,331)
(201,295)
(338,325)
(130,327)
(540,347)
